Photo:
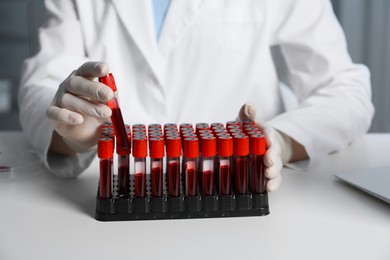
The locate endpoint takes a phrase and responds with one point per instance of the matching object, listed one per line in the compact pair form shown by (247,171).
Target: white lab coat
(212,57)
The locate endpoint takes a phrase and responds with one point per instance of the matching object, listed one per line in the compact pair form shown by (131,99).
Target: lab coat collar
(180,15)
(137,18)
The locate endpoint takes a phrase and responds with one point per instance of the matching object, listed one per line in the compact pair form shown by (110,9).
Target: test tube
(116,116)
(124,167)
(208,152)
(105,154)
(140,151)
(156,148)
(225,152)
(190,165)
(241,152)
(257,152)
(173,149)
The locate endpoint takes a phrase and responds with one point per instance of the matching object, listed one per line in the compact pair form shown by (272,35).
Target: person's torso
(212,57)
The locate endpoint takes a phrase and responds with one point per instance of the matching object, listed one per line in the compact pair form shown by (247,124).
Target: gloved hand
(78,107)
(279,148)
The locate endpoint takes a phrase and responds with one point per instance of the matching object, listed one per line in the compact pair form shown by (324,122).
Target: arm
(62,50)
(334,94)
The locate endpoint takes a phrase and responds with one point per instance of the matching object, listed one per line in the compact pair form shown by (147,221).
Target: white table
(313,216)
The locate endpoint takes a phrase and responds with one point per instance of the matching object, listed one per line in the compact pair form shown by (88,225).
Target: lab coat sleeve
(334,94)
(61,52)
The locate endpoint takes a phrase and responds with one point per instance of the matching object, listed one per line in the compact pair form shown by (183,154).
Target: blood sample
(124,168)
(257,150)
(105,154)
(116,116)
(225,152)
(173,149)
(140,151)
(190,166)
(208,151)
(156,148)
(241,151)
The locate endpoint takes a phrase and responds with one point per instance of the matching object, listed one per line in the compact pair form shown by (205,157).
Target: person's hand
(279,148)
(78,109)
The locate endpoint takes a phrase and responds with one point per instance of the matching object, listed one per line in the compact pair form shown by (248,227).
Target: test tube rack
(182,207)
(122,207)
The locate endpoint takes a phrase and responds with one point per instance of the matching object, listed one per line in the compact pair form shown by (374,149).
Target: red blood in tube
(241,151)
(139,185)
(157,182)
(173,178)
(241,175)
(225,151)
(208,183)
(105,184)
(156,148)
(173,150)
(119,126)
(258,180)
(225,181)
(123,179)
(191,182)
(116,116)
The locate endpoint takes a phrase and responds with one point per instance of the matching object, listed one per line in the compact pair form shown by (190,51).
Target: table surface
(313,216)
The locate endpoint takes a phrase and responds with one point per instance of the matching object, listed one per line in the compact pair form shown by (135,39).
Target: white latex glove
(279,148)
(78,107)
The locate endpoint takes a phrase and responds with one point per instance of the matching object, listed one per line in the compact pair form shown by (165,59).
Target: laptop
(375,181)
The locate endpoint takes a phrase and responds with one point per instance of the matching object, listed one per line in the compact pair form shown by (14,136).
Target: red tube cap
(191,147)
(232,123)
(173,146)
(140,147)
(241,145)
(156,147)
(225,145)
(248,122)
(105,148)
(258,145)
(217,125)
(202,126)
(208,146)
(186,126)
